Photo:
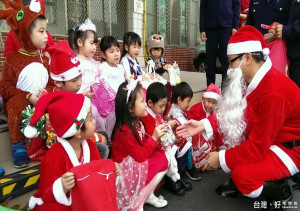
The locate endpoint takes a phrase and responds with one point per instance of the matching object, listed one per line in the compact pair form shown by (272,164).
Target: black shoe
(228,189)
(174,187)
(186,185)
(192,173)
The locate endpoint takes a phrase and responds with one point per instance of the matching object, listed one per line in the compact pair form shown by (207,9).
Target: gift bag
(95,187)
(104,98)
(174,75)
(36,149)
(278,55)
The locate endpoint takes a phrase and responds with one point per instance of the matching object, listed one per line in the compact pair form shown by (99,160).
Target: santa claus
(259,118)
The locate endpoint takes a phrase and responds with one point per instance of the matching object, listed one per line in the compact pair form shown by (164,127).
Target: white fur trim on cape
(244,47)
(33,77)
(255,193)
(208,132)
(33,201)
(67,75)
(186,147)
(30,132)
(59,194)
(149,110)
(82,115)
(71,153)
(206,113)
(260,74)
(211,95)
(223,161)
(285,158)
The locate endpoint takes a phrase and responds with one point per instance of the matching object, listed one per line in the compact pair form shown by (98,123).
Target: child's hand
(159,131)
(172,123)
(89,94)
(33,98)
(118,172)
(175,65)
(166,67)
(68,181)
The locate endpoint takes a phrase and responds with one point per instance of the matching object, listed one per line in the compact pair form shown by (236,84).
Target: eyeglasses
(236,58)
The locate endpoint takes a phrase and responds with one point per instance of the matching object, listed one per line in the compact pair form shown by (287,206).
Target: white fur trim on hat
(35,6)
(59,194)
(30,132)
(212,95)
(68,75)
(82,115)
(244,47)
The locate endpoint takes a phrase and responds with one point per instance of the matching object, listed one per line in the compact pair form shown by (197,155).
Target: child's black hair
(32,25)
(182,90)
(75,34)
(107,42)
(124,109)
(130,38)
(156,92)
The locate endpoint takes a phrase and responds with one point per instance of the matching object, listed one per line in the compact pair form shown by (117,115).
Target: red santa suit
(273,117)
(61,158)
(150,121)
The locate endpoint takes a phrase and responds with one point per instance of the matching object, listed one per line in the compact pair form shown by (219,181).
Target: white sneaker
(157,202)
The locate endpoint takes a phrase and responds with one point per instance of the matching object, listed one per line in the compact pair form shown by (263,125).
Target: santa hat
(67,113)
(156,41)
(246,40)
(213,92)
(19,18)
(64,62)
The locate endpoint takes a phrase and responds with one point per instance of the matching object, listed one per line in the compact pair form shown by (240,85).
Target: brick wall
(182,55)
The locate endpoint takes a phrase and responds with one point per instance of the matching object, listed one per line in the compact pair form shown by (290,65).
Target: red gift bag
(36,149)
(95,187)
(278,55)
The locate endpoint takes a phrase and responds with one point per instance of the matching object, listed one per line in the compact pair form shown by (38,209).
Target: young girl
(83,39)
(131,50)
(142,163)
(72,163)
(112,75)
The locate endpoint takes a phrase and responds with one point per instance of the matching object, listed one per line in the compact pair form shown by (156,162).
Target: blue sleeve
(292,30)
(236,8)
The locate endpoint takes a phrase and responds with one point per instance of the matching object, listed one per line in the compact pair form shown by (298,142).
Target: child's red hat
(67,113)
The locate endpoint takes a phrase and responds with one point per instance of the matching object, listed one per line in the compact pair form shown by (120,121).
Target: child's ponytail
(71,38)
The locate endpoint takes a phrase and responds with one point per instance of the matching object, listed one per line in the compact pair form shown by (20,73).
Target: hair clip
(87,26)
(78,123)
(130,87)
(74,29)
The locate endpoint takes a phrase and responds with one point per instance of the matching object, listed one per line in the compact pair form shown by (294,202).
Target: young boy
(201,145)
(25,71)
(181,98)
(72,168)
(66,74)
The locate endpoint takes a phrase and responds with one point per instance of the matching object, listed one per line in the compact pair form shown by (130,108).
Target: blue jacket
(219,14)
(291,32)
(268,12)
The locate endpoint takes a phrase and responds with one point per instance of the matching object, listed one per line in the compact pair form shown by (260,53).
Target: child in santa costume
(181,97)
(201,145)
(67,75)
(259,118)
(25,71)
(142,162)
(72,168)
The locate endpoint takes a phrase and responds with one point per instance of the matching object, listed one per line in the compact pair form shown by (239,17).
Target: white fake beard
(230,113)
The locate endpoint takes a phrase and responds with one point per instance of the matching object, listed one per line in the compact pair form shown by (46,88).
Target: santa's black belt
(291,144)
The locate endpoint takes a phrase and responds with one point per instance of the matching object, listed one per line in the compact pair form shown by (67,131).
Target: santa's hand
(190,128)
(212,162)
(118,172)
(68,181)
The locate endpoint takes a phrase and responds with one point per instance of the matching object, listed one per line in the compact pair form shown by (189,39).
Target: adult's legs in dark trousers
(224,35)
(216,46)
(211,55)
(294,72)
